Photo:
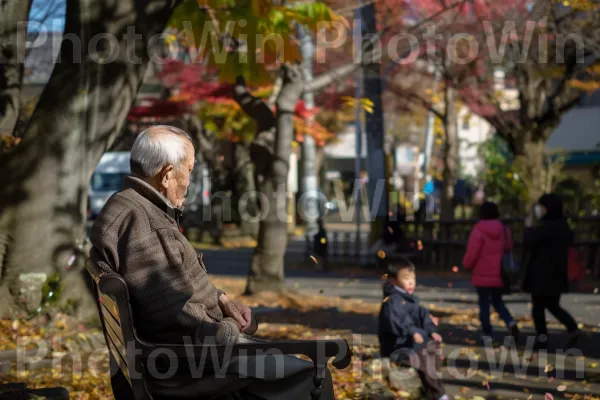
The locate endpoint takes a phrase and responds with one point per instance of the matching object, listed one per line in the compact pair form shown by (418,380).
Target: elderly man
(137,235)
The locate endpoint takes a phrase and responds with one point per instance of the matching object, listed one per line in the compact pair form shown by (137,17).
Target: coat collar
(407,297)
(150,193)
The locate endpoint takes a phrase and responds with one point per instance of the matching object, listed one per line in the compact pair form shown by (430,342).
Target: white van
(107,179)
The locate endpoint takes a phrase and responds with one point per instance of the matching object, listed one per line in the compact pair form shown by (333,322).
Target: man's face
(179,179)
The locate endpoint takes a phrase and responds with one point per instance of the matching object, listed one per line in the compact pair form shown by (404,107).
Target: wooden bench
(133,354)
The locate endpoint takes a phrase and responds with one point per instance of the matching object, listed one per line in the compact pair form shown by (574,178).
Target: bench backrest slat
(117,355)
(117,322)
(110,305)
(113,326)
(116,341)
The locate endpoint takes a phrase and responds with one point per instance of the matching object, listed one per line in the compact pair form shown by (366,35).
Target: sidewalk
(471,370)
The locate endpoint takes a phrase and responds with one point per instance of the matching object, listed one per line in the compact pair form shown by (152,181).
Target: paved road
(431,290)
(464,374)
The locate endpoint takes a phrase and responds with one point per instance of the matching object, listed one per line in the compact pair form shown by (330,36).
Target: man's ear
(166,175)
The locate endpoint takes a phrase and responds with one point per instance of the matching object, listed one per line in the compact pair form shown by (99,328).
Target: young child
(407,329)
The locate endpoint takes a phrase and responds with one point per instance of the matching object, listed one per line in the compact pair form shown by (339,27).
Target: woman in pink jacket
(487,243)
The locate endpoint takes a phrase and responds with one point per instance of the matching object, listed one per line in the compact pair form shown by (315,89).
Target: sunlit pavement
(461,340)
(431,290)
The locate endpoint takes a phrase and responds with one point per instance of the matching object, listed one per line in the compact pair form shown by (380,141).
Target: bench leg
(318,378)
(315,393)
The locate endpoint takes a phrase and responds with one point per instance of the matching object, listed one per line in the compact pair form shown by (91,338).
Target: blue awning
(586,158)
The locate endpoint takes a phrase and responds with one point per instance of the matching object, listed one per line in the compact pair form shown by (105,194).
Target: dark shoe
(541,343)
(487,338)
(574,337)
(514,331)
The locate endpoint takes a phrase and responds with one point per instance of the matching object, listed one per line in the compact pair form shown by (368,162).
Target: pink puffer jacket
(485,250)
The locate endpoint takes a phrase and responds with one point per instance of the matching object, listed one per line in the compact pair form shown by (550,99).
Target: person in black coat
(546,274)
(407,329)
(320,244)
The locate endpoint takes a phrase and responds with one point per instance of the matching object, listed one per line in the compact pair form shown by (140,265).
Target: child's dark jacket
(400,318)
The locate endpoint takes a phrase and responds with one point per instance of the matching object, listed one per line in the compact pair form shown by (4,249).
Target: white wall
(470,136)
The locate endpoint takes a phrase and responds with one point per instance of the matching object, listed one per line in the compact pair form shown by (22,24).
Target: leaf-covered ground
(295,315)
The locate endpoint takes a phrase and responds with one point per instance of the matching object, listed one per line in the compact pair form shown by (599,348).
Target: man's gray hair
(156,147)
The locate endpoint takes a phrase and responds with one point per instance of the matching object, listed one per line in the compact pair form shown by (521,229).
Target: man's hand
(239,312)
(436,337)
(418,338)
(435,320)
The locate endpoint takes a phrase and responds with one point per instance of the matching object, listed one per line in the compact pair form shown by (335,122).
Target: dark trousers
(427,361)
(552,304)
(493,295)
(269,377)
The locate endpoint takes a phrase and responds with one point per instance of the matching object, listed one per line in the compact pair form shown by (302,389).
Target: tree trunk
(270,152)
(538,171)
(243,186)
(81,110)
(267,268)
(13,32)
(208,146)
(449,153)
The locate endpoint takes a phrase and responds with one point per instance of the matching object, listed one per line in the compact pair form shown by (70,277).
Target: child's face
(406,281)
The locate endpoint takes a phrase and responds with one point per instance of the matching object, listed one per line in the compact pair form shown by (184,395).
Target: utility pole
(310,190)
(429,127)
(358,126)
(374,125)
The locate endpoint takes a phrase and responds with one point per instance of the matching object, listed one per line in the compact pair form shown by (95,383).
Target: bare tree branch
(415,98)
(205,144)
(256,108)
(335,75)
(275,91)
(322,81)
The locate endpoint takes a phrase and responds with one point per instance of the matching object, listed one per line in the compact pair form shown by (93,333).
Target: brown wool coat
(137,235)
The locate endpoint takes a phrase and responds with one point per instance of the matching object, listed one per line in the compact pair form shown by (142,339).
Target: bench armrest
(319,351)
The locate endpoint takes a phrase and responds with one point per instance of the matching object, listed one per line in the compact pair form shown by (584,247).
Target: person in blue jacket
(407,329)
